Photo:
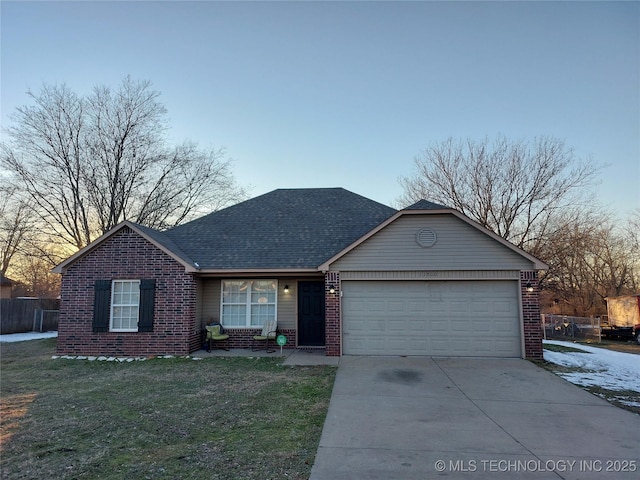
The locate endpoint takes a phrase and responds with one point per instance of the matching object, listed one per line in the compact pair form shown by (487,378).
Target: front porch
(306,309)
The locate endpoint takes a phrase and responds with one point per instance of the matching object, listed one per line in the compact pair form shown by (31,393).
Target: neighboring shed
(6,286)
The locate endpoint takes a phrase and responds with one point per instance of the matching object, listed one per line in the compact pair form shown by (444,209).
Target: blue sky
(306,94)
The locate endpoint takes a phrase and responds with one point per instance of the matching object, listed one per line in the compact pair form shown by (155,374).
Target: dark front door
(311,314)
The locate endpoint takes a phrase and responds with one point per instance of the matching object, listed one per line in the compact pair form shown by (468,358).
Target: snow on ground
(21,337)
(608,369)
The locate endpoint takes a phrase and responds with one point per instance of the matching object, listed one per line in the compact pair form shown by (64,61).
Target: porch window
(125,305)
(248,303)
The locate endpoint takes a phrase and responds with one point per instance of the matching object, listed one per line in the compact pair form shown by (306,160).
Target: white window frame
(130,304)
(248,301)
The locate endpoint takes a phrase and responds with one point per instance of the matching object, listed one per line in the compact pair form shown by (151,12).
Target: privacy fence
(563,327)
(18,315)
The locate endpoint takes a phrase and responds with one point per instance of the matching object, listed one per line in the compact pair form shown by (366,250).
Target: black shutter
(147,298)
(101,305)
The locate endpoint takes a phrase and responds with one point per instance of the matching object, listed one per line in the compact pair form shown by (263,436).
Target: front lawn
(174,418)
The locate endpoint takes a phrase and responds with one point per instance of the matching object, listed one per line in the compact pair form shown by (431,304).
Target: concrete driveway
(421,418)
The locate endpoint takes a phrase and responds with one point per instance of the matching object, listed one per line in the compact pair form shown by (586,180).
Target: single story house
(336,270)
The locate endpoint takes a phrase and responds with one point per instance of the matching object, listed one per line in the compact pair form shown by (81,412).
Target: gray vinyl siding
(287,305)
(211,299)
(199,296)
(459,246)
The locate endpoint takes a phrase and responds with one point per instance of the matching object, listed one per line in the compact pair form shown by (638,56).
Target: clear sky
(326,94)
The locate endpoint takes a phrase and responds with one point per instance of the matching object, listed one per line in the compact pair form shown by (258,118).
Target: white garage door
(452,318)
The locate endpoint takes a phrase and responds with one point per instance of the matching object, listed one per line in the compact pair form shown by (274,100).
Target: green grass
(226,418)
(561,348)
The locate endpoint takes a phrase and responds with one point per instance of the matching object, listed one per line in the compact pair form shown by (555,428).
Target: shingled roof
(283,229)
(425,205)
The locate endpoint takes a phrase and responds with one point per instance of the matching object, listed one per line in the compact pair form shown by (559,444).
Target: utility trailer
(623,318)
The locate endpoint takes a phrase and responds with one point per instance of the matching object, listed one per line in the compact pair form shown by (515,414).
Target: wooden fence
(18,315)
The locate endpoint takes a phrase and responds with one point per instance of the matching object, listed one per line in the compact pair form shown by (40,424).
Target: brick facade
(531,316)
(243,337)
(333,331)
(128,256)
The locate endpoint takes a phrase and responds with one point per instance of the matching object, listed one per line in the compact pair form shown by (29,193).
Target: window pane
(125,301)
(261,313)
(234,291)
(234,315)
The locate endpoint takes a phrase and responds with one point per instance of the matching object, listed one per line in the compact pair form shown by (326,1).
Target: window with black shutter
(147,298)
(101,305)
(123,305)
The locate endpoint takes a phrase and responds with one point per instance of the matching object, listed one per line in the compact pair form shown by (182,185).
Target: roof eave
(257,271)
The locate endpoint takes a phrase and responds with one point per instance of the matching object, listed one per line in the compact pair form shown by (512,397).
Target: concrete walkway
(421,418)
(291,356)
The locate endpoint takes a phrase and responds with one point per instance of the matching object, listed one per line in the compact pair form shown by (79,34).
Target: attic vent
(426,237)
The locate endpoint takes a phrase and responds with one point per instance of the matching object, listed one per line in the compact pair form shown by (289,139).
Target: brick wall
(332,315)
(243,337)
(531,316)
(126,255)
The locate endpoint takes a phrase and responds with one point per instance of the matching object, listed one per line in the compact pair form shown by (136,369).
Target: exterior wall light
(286,288)
(529,287)
(332,289)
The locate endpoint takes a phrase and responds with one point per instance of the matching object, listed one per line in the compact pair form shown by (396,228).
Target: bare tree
(87,163)
(34,277)
(16,226)
(632,234)
(48,157)
(590,258)
(511,188)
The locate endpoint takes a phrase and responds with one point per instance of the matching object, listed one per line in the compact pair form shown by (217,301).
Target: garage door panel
(502,306)
(483,326)
(459,307)
(439,346)
(416,306)
(506,347)
(483,347)
(439,327)
(482,306)
(504,327)
(397,325)
(436,308)
(454,318)
(417,325)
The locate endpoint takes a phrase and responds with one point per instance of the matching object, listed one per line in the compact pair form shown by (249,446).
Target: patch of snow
(604,368)
(23,337)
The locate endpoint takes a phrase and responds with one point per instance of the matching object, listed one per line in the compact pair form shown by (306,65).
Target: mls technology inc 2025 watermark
(535,465)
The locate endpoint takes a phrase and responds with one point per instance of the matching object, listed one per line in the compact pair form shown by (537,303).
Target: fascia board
(287,272)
